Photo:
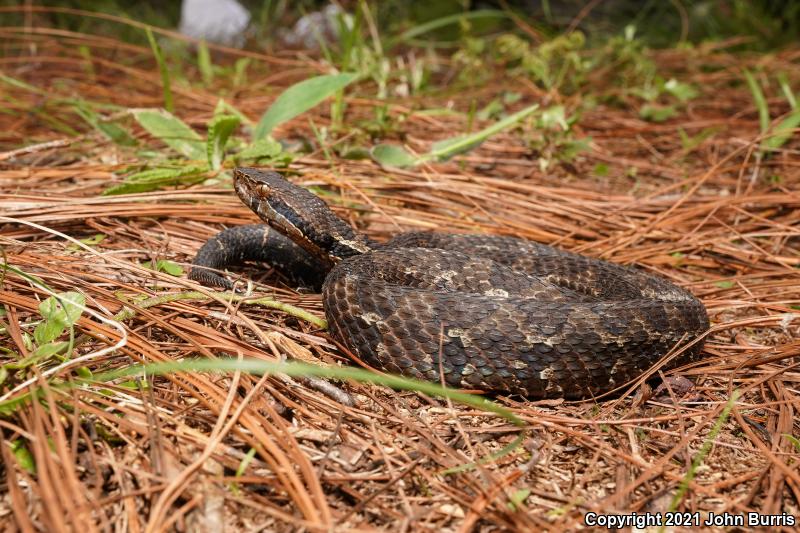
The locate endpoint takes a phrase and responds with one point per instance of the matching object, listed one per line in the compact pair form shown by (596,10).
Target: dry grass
(165,452)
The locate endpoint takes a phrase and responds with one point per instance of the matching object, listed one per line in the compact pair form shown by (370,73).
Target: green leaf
(59,312)
(682,91)
(154,179)
(601,169)
(725,284)
(391,155)
(266,148)
(491,110)
(782,132)
(554,116)
(569,150)
(172,131)
(299,98)
(462,143)
(454,146)
(164,265)
(516,499)
(23,456)
(49,349)
(791,438)
(353,152)
(162,67)
(204,62)
(219,131)
(656,113)
(94,240)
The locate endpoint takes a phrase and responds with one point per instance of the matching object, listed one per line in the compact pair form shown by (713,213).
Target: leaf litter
(273,453)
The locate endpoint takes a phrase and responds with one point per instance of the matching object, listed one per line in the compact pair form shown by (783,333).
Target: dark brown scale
(487,312)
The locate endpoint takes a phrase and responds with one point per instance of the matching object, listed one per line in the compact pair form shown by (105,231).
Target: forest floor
(686,181)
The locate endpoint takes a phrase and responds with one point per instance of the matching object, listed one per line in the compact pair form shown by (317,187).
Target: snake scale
(482,312)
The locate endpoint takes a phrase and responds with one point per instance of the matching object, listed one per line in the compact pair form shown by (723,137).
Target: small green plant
(663,99)
(555,64)
(401,74)
(553,139)
(624,57)
(198,157)
(469,61)
(59,314)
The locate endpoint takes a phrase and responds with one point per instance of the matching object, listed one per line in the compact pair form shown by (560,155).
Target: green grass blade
(157,178)
(703,452)
(450,147)
(162,66)
(204,64)
(759,99)
(258,366)
(783,81)
(505,450)
(783,131)
(298,369)
(396,156)
(299,98)
(435,24)
(19,84)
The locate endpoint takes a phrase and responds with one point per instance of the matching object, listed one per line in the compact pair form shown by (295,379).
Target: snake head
(281,204)
(255,188)
(298,214)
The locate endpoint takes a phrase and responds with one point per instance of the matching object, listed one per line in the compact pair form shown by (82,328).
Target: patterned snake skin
(505,314)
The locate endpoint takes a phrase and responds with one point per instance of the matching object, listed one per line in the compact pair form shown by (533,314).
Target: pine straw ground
(710,218)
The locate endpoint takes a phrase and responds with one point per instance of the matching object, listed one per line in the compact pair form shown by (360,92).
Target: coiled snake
(485,312)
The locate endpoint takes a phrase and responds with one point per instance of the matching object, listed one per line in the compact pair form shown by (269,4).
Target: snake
(492,313)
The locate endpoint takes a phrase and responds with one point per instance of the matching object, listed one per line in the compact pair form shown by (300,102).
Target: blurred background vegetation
(759,24)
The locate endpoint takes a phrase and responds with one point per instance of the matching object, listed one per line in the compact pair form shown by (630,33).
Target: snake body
(480,312)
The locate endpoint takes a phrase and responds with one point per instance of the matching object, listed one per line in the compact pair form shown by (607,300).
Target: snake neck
(300,215)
